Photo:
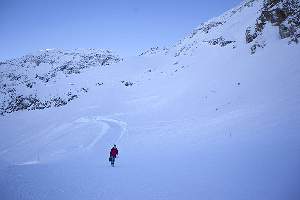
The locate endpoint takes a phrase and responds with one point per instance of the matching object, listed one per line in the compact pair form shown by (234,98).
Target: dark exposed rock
(128,83)
(85,90)
(184,49)
(284,14)
(250,37)
(219,41)
(284,31)
(71,96)
(57,101)
(29,85)
(44,78)
(206,27)
(255,46)
(155,50)
(21,103)
(32,102)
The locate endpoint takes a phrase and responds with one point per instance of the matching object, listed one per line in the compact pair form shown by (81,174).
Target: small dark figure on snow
(113,154)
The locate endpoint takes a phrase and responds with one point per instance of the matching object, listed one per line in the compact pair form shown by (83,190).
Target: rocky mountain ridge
(234,29)
(22,79)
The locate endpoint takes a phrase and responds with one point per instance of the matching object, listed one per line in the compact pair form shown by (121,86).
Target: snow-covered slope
(207,118)
(247,24)
(48,78)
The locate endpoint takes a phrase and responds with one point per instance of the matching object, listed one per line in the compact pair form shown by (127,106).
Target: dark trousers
(112,161)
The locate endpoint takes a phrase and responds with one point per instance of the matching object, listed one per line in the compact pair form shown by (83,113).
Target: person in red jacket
(113,154)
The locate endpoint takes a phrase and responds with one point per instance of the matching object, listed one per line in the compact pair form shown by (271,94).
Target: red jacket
(114,152)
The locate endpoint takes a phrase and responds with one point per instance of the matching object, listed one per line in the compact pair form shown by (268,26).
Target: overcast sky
(124,26)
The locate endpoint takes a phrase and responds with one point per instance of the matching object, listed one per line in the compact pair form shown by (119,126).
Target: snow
(225,125)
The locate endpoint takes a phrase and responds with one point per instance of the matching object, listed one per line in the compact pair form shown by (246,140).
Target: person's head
(115,146)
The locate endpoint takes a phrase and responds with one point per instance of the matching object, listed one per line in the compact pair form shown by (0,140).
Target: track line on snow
(104,130)
(105,122)
(58,134)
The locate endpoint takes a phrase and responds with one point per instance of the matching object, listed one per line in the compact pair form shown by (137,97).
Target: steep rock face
(241,27)
(222,31)
(283,14)
(22,80)
(244,26)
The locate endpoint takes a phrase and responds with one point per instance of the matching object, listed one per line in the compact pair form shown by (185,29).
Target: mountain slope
(47,78)
(211,121)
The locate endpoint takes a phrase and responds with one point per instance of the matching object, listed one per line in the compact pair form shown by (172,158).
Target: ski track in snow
(64,132)
(79,164)
(106,126)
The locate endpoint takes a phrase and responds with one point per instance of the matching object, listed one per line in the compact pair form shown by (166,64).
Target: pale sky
(124,26)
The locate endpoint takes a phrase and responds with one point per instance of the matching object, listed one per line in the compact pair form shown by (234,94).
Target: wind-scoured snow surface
(195,121)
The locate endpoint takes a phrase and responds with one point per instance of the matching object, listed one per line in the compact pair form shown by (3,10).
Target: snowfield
(213,122)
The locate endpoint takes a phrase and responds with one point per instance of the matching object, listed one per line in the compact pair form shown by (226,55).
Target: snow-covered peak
(251,24)
(25,82)
(59,56)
